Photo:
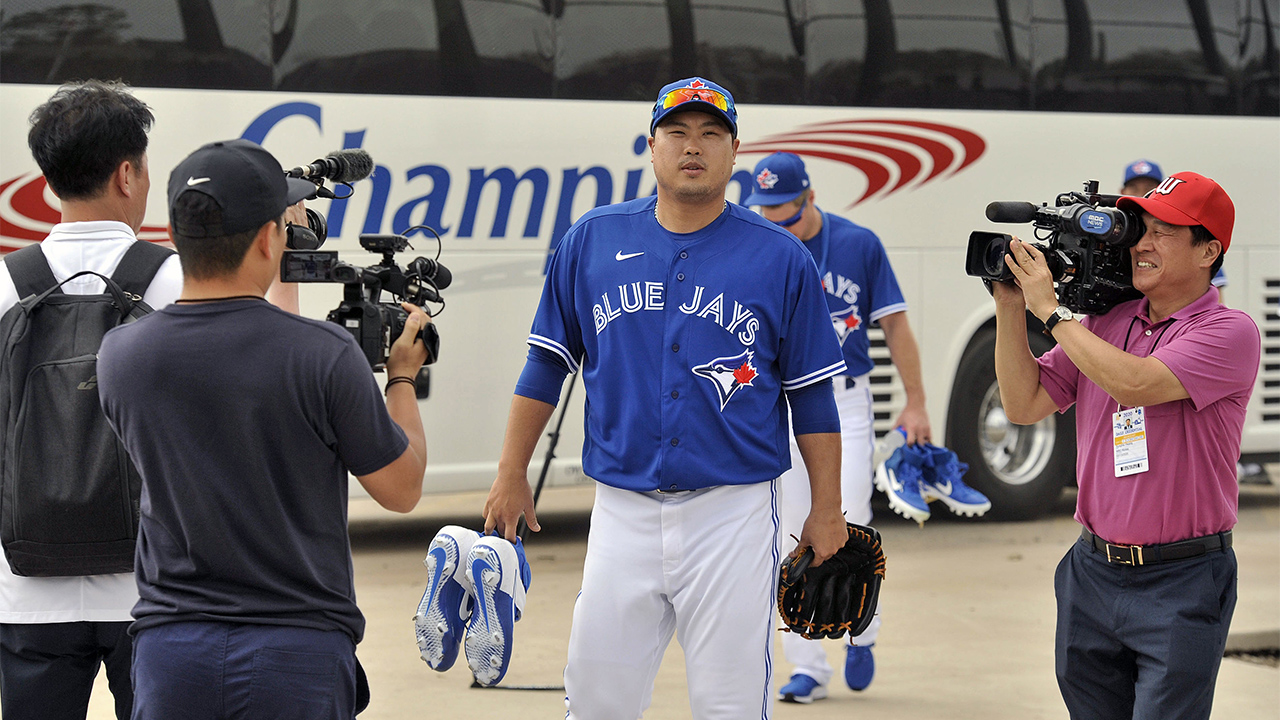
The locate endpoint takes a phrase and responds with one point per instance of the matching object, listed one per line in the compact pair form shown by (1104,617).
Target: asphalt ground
(968,613)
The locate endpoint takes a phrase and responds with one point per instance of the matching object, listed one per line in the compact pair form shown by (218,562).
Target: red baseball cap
(1188,198)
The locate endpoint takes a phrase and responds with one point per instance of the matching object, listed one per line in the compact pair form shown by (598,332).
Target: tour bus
(498,122)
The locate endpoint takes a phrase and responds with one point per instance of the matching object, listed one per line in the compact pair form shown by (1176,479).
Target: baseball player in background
(860,289)
(691,318)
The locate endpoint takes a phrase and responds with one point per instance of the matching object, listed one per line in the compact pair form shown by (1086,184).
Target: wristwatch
(1060,313)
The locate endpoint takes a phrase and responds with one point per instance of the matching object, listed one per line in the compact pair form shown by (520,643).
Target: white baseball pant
(703,564)
(857,446)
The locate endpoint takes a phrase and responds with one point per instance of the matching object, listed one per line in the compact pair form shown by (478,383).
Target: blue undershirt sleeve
(813,409)
(543,376)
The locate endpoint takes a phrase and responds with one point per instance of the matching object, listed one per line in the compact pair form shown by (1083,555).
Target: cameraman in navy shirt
(244,421)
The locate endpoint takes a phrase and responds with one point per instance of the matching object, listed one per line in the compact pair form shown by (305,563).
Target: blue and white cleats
(901,479)
(802,689)
(942,482)
(446,605)
(500,577)
(859,667)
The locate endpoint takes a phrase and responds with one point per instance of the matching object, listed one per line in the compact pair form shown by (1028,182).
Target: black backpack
(68,491)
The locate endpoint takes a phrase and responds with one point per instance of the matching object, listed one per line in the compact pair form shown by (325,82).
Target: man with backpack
(67,587)
(244,421)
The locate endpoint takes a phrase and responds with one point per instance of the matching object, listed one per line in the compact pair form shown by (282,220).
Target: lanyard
(1158,337)
(823,240)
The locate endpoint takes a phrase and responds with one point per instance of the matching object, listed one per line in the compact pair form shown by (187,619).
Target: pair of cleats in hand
(912,476)
(476,589)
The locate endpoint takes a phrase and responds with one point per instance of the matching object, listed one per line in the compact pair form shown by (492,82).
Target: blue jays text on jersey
(631,298)
(859,282)
(687,343)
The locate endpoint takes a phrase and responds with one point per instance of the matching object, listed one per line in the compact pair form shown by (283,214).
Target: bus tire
(1021,469)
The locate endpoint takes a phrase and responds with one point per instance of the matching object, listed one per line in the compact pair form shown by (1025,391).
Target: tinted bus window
(153,43)
(450,47)
(612,49)
(749,46)
(960,54)
(1142,57)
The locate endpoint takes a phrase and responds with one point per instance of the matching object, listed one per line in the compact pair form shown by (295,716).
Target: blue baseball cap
(695,94)
(779,179)
(1142,169)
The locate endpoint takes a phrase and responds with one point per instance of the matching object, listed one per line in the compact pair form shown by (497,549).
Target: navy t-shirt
(243,421)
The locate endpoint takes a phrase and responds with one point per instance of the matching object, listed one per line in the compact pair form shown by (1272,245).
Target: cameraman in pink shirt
(1161,387)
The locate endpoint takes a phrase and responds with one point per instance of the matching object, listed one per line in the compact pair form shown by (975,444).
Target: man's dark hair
(210,256)
(82,134)
(1200,235)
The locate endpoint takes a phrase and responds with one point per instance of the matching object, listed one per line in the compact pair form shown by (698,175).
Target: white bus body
(501,178)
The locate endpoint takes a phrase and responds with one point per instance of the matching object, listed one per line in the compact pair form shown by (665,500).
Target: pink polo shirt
(1190,489)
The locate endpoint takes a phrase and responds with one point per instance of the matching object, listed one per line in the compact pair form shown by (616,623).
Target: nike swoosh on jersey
(196,181)
(620,257)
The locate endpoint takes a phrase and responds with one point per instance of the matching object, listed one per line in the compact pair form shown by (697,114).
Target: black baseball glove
(838,596)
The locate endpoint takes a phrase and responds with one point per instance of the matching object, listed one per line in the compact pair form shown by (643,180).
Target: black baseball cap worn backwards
(245,181)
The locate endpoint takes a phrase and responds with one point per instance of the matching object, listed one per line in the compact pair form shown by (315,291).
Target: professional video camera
(343,167)
(376,324)
(1085,240)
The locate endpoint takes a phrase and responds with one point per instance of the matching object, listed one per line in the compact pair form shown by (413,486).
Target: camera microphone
(343,166)
(428,268)
(1011,212)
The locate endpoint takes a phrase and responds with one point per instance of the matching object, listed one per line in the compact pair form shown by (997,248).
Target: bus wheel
(1021,468)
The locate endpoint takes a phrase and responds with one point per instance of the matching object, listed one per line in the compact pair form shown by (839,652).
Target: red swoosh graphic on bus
(932,150)
(26,217)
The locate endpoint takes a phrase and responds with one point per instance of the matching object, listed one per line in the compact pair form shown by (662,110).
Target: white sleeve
(166,286)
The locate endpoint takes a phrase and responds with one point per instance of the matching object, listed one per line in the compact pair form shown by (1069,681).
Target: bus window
(155,43)
(1108,57)
(1259,58)
(967,53)
(613,49)
(449,47)
(747,45)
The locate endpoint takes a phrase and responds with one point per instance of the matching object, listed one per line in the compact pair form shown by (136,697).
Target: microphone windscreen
(443,277)
(1011,212)
(353,164)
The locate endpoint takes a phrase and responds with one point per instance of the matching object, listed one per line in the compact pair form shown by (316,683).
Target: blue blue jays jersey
(860,285)
(686,344)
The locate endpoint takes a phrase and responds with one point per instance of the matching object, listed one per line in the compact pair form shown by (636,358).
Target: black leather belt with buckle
(1156,554)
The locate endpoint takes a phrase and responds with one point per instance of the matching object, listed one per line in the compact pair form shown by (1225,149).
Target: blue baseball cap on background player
(1142,169)
(695,94)
(777,179)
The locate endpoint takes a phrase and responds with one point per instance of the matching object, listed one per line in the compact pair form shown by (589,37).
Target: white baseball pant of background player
(857,442)
(703,564)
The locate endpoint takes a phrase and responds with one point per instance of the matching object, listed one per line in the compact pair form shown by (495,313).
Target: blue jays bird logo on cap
(845,322)
(766,179)
(729,374)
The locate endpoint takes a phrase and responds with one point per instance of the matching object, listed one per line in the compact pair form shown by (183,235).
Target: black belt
(1156,554)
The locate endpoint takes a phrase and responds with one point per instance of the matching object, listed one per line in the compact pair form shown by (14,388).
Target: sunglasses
(791,220)
(679,96)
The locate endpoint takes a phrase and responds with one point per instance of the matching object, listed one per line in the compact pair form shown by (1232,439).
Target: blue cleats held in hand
(901,477)
(500,576)
(942,481)
(446,605)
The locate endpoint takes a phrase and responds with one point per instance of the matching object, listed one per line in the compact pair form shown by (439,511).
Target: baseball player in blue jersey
(696,324)
(860,289)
